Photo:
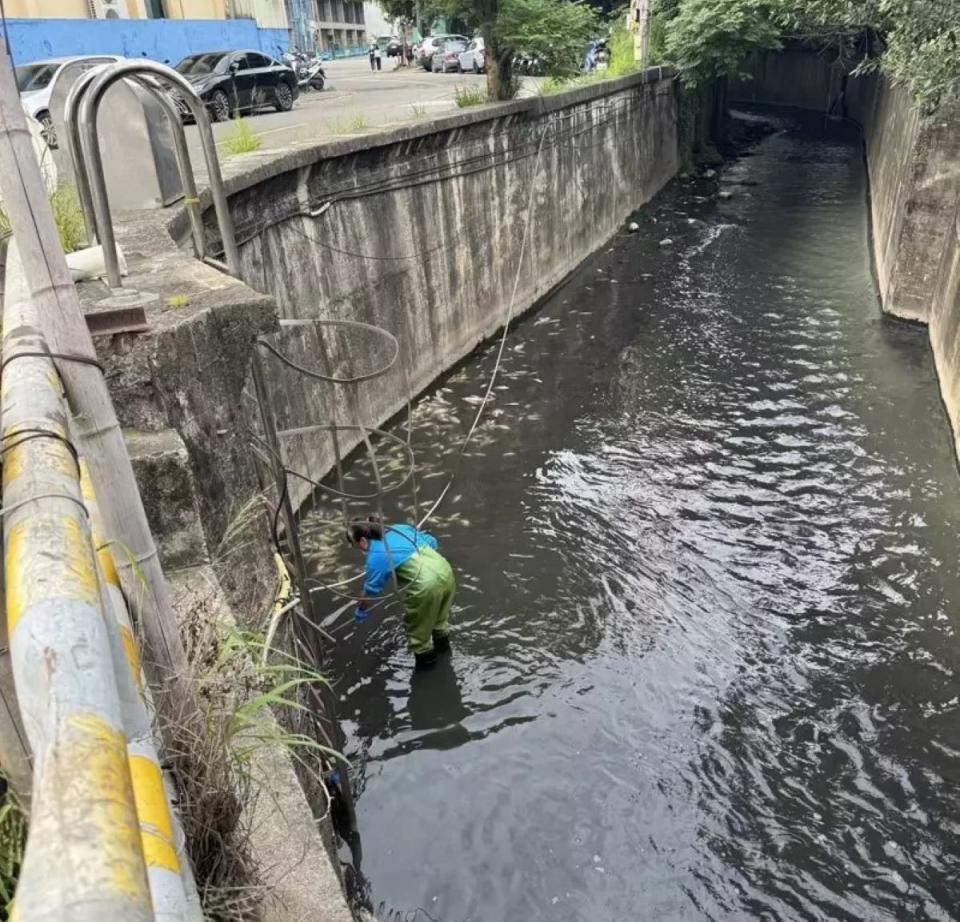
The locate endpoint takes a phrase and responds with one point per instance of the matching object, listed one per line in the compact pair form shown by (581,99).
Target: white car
(430,46)
(472,58)
(35,82)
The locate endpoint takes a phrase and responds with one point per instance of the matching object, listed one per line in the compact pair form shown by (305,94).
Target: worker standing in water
(424,576)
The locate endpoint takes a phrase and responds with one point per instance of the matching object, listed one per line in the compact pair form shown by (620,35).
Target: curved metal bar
(184,165)
(349,324)
(76,149)
(89,108)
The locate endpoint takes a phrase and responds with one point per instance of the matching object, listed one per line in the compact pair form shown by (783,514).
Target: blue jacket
(402,542)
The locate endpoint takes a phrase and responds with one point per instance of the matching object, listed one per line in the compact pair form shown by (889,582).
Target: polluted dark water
(705,651)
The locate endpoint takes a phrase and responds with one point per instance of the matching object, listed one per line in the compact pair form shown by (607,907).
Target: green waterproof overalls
(428,587)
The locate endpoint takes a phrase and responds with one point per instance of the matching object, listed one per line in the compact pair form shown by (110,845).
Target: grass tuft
(243,140)
(622,61)
(471,96)
(178,302)
(67,215)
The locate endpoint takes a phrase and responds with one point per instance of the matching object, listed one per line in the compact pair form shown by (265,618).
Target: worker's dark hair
(370,528)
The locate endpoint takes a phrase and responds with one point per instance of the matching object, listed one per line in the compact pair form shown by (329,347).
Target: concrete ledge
(256,168)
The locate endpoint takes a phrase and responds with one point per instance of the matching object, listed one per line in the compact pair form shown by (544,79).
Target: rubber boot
(441,643)
(424,661)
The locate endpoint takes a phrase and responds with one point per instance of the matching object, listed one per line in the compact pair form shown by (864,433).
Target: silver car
(447,56)
(35,82)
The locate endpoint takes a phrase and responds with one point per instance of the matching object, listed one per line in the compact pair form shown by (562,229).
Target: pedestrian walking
(371,54)
(377,54)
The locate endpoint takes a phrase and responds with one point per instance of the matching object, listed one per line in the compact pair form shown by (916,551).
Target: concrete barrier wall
(420,231)
(159,39)
(914,168)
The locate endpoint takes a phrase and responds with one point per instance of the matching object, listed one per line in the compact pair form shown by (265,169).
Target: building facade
(119,9)
(164,30)
(339,27)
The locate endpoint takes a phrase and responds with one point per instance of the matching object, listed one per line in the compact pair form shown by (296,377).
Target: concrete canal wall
(421,231)
(914,168)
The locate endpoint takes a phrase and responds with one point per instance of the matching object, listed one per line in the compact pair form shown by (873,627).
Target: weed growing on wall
(242,140)
(471,96)
(622,60)
(67,215)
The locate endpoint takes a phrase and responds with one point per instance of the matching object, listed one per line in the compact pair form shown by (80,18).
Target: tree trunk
(501,83)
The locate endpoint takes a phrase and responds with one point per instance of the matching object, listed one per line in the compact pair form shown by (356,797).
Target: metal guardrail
(81,114)
(104,844)
(83,858)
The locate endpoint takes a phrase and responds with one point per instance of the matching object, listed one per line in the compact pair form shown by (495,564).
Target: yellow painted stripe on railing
(16,460)
(153,810)
(25,587)
(108,565)
(97,757)
(133,654)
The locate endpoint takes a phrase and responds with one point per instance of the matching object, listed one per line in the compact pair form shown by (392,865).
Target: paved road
(357,101)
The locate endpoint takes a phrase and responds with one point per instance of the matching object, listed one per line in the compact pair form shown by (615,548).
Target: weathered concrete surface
(420,231)
(299,878)
(789,78)
(914,169)
(162,468)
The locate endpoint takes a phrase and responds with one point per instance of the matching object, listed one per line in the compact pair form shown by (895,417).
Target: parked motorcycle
(309,69)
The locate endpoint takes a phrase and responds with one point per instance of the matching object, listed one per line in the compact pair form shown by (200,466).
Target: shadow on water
(705,657)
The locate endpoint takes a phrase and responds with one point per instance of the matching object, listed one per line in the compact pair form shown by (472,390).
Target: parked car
(447,56)
(36,81)
(230,82)
(472,58)
(390,45)
(428,47)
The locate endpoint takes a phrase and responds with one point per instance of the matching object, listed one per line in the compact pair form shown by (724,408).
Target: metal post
(184,165)
(292,531)
(76,150)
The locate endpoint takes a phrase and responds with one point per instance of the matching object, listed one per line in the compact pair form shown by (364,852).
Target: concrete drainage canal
(704,656)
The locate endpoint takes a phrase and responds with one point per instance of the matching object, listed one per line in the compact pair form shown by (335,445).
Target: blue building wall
(161,39)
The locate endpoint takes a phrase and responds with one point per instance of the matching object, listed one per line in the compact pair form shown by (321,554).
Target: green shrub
(622,61)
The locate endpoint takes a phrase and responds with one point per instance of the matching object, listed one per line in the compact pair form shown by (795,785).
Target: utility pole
(639,24)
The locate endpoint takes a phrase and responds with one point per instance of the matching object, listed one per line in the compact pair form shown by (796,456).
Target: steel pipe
(76,150)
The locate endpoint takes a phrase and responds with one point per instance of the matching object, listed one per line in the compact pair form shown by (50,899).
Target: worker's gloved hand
(361,614)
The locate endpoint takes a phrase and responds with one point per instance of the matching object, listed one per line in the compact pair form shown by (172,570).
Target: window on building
(155,9)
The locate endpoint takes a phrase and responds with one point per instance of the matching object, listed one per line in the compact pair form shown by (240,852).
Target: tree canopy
(914,42)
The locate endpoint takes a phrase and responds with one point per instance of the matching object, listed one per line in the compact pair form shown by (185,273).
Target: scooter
(313,75)
(309,70)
